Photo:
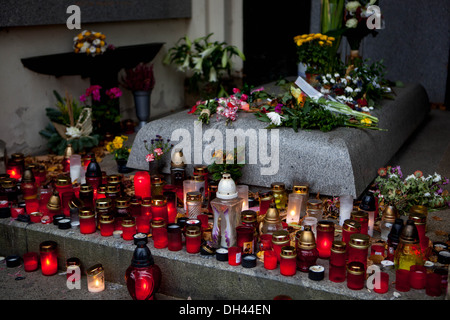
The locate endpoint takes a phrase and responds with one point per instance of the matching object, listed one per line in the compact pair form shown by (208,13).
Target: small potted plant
(156,150)
(141,81)
(120,153)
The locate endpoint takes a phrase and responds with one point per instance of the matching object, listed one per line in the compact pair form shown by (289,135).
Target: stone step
(184,275)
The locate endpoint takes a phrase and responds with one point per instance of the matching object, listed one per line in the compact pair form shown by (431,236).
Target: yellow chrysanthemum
(304,36)
(329,43)
(80,36)
(317,36)
(366,121)
(331,38)
(324,38)
(321,43)
(87,34)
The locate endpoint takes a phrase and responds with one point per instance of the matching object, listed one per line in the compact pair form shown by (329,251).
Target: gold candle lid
(28,176)
(306,239)
(113,179)
(288,252)
(68,151)
(63,181)
(128,222)
(47,246)
(194,196)
(302,188)
(112,188)
(103,203)
(351,226)
(9,183)
(54,203)
(198,177)
(73,262)
(157,179)
(359,215)
(359,241)
(146,202)
(122,202)
(356,268)
(338,246)
(106,218)
(86,188)
(200,169)
(248,216)
(75,203)
(95,270)
(390,213)
(159,201)
(17,156)
(101,189)
(418,218)
(193,231)
(280,237)
(266,196)
(325,225)
(85,213)
(158,223)
(278,186)
(135,201)
(272,215)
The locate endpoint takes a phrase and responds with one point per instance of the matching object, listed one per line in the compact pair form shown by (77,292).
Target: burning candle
(159,233)
(295,202)
(13,170)
(159,208)
(265,200)
(270,260)
(146,208)
(143,224)
(96,278)
(325,238)
(30,261)
(135,206)
(87,220)
(49,261)
(142,185)
(243,193)
(171,197)
(193,239)
(288,263)
(128,228)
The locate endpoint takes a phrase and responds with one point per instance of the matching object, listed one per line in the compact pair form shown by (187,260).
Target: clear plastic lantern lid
(227,188)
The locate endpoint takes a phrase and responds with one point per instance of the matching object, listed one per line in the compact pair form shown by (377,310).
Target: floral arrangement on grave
(356,27)
(315,50)
(71,123)
(293,108)
(227,162)
(156,150)
(89,42)
(105,110)
(361,86)
(415,189)
(139,78)
(227,108)
(118,149)
(206,63)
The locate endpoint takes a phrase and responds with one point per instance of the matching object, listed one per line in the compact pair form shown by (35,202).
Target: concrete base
(343,161)
(189,275)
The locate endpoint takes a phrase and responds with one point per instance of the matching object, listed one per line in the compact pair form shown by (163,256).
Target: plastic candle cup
(128,228)
(433,285)
(279,239)
(337,255)
(325,238)
(345,208)
(358,248)
(159,233)
(204,218)
(381,283)
(174,236)
(295,201)
(159,208)
(245,239)
(48,257)
(234,256)
(146,208)
(288,263)
(242,190)
(311,221)
(362,218)
(356,275)
(106,225)
(265,242)
(143,224)
(87,221)
(264,202)
(417,277)
(30,261)
(270,260)
(171,197)
(402,280)
(337,274)
(142,186)
(193,239)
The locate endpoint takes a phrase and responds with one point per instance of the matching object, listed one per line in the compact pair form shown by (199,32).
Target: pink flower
(158,151)
(150,157)
(114,93)
(244,97)
(83,98)
(236,90)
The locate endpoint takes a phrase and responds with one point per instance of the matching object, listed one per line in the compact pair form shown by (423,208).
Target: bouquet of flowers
(415,189)
(140,78)
(118,149)
(157,148)
(315,51)
(90,42)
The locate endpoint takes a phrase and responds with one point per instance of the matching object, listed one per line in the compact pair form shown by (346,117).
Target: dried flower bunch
(140,78)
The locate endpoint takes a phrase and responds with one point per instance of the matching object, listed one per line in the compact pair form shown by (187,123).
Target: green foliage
(225,163)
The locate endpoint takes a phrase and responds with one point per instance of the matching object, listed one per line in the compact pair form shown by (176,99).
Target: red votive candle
(433,285)
(49,261)
(142,184)
(159,208)
(270,260)
(32,205)
(193,239)
(337,254)
(378,249)
(143,224)
(204,218)
(356,275)
(174,237)
(35,217)
(420,220)
(264,202)
(234,256)
(15,211)
(337,274)
(106,225)
(13,170)
(87,221)
(288,262)
(417,277)
(402,280)
(381,283)
(146,207)
(325,238)
(358,248)
(280,239)
(362,218)
(30,261)
(128,228)
(245,239)
(171,197)
(159,233)
(265,242)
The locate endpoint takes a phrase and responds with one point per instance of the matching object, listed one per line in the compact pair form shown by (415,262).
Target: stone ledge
(184,275)
(343,161)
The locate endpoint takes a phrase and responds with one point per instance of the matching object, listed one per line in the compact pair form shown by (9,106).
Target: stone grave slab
(342,161)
